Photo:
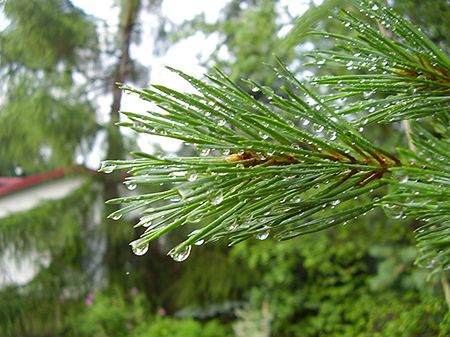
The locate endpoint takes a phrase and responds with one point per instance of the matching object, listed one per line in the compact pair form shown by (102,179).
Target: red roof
(12,184)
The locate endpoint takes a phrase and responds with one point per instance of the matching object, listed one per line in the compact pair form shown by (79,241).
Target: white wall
(29,198)
(21,271)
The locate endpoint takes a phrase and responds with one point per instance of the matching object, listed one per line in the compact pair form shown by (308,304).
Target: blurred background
(67,270)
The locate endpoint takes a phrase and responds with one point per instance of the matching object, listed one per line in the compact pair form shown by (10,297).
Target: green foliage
(333,283)
(405,74)
(431,16)
(198,289)
(256,24)
(47,119)
(169,327)
(36,308)
(50,127)
(297,164)
(25,44)
(108,314)
(115,315)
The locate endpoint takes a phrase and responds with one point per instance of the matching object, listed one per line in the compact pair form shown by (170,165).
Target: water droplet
(192,176)
(205,152)
(255,89)
(333,136)
(175,199)
(404,180)
(199,242)
(105,168)
(139,249)
(147,224)
(296,199)
(232,226)
(336,202)
(181,256)
(375,7)
(263,235)
(131,186)
(263,135)
(372,109)
(306,122)
(221,122)
(399,215)
(217,199)
(116,216)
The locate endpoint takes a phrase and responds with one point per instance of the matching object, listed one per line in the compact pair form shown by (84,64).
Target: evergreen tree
(50,66)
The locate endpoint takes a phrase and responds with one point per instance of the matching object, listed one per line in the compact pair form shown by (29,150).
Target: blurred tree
(51,66)
(45,114)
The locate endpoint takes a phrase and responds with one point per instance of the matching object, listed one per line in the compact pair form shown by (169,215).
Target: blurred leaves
(25,44)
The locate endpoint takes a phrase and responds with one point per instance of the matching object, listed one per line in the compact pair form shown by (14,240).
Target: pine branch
(405,75)
(295,162)
(274,176)
(422,192)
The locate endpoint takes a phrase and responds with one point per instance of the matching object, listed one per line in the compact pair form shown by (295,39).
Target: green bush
(170,327)
(108,315)
(118,315)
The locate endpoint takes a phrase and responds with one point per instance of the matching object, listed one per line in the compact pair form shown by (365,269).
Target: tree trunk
(117,252)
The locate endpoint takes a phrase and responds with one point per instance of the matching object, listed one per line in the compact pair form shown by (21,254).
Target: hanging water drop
(181,256)
(105,168)
(116,216)
(375,7)
(199,242)
(139,249)
(255,89)
(221,122)
(131,186)
(263,235)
